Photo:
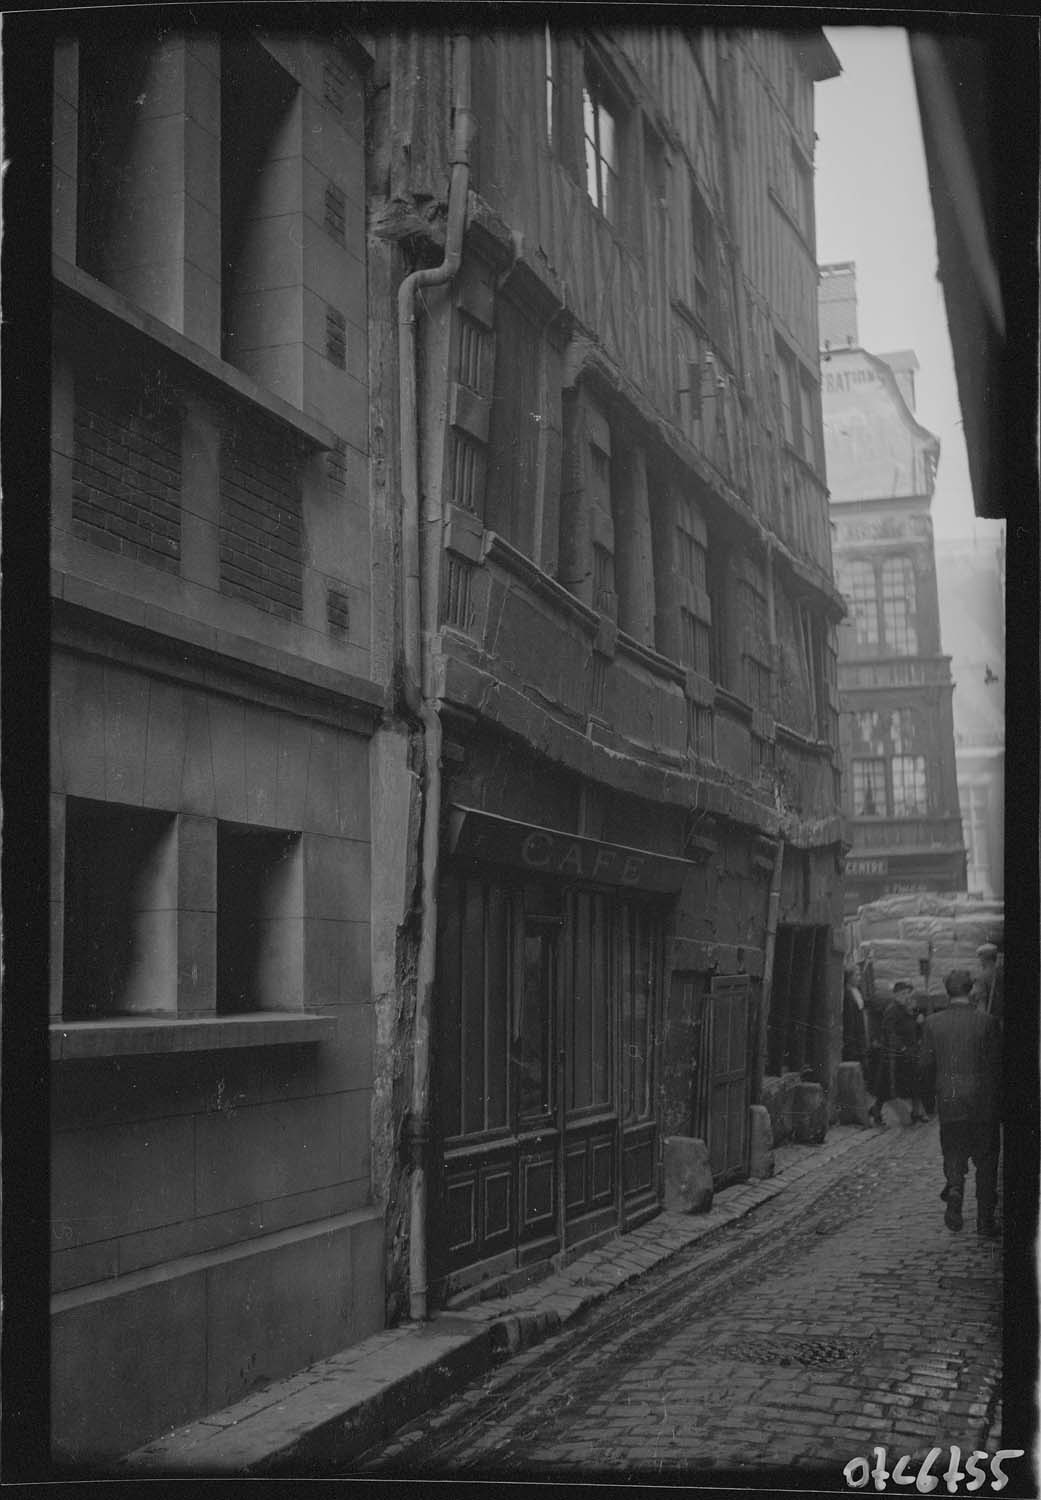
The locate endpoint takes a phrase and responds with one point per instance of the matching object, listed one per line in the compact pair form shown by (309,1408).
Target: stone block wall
(212,1210)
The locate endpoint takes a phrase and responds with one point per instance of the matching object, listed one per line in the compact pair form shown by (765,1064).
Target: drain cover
(779,1350)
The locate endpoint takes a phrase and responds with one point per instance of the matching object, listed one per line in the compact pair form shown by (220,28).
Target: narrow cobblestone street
(842,1317)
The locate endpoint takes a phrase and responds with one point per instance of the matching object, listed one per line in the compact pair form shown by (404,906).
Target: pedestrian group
(943,1060)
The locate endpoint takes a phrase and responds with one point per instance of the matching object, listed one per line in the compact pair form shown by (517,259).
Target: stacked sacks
(899,931)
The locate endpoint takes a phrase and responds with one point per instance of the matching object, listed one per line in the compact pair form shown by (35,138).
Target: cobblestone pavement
(841,1317)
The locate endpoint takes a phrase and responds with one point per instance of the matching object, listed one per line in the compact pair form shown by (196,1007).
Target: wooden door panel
(728,1084)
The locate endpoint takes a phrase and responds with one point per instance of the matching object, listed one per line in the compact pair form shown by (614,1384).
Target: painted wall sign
(874,446)
(547,851)
(867,866)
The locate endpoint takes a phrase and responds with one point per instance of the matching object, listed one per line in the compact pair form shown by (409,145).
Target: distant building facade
(971,576)
(900,778)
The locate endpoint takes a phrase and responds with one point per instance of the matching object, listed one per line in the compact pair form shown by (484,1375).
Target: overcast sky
(873,207)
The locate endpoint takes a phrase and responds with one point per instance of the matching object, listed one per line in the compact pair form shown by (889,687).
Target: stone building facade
(214,699)
(900,788)
(445,746)
(971,576)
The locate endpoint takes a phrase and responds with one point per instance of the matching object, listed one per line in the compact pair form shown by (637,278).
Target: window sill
(498,550)
(803,741)
(81,284)
(128,1036)
(735,706)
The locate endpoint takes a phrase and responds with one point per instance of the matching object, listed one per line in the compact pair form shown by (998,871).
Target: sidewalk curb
(334,1411)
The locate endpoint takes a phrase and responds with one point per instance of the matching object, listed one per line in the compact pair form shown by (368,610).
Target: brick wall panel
(126,471)
(261,522)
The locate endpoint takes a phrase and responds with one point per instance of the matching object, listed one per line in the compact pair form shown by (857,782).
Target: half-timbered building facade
(628,619)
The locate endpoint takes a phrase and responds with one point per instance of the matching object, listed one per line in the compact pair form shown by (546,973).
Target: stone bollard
(851,1095)
(809,1113)
(688,1176)
(761,1142)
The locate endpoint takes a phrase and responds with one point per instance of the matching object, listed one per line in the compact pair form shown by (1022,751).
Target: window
(800,192)
(719,645)
(899,605)
(550,89)
(600,120)
(120,910)
(703,253)
(808,434)
(589,1075)
(701,730)
(260,928)
(815,650)
(604,596)
(789,391)
(869,788)
(693,558)
(909,790)
(256,98)
(115,180)
(473,955)
(755,669)
(638,950)
(695,638)
(532,1032)
(513,438)
(857,583)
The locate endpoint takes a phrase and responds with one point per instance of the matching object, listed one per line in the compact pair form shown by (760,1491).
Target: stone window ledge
(127,1036)
(73,279)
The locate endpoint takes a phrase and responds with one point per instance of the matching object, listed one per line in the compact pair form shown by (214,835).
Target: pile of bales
(893,935)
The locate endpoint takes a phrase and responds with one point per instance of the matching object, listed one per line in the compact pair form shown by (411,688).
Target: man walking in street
(961,1050)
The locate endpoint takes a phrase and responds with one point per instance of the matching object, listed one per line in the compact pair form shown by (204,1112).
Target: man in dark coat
(961,1050)
(897,1075)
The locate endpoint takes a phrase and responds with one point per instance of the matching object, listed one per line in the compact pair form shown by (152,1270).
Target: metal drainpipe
(421,557)
(773,909)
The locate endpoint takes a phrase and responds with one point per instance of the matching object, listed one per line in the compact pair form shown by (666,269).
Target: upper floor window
(857,583)
(696,632)
(550,85)
(798,393)
(869,787)
(909,785)
(808,414)
(799,192)
(789,392)
(899,605)
(601,118)
(513,437)
(719,645)
(703,256)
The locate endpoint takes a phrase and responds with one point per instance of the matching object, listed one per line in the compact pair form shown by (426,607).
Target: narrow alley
(840,1317)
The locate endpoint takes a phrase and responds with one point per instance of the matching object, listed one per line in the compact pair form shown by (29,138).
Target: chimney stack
(837,305)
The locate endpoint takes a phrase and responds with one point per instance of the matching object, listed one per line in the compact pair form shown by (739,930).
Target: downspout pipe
(773,911)
(421,557)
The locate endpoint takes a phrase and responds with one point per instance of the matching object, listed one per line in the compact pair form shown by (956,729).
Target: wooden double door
(547,1003)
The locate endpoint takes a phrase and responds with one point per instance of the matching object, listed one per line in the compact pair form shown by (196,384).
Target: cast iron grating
(779,1350)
